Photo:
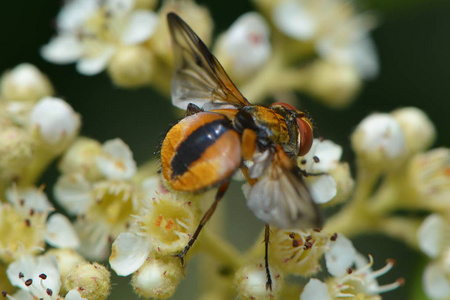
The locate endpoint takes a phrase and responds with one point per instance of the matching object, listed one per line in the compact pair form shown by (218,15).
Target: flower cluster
(128,216)
(328,39)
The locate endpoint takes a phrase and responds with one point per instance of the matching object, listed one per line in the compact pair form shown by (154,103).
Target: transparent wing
(281,198)
(199,78)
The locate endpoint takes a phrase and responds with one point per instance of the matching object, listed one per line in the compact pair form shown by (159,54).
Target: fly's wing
(281,198)
(199,78)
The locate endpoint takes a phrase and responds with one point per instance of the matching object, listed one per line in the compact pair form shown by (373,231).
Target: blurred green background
(413,41)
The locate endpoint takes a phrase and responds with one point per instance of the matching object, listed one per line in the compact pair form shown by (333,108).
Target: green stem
(356,217)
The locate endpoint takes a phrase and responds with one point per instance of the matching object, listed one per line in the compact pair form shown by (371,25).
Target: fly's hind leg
(266,257)
(219,195)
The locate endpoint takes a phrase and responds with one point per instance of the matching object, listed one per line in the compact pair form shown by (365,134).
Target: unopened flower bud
(251,283)
(132,66)
(54,121)
(336,85)
(92,281)
(418,129)
(25,83)
(81,158)
(298,252)
(379,142)
(158,277)
(16,153)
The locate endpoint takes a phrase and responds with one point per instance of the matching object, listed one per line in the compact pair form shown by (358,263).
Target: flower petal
(74,295)
(129,252)
(94,239)
(33,198)
(62,49)
(323,188)
(96,64)
(315,290)
(60,232)
(341,256)
(293,19)
(74,193)
(431,235)
(140,27)
(435,282)
(117,161)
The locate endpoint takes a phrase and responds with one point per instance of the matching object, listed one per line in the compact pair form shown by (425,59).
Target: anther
(316,159)
(27,222)
(21,275)
(334,237)
(349,270)
(29,282)
(49,292)
(43,276)
(4,294)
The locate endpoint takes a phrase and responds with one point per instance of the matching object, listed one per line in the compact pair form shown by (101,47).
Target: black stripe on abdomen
(192,148)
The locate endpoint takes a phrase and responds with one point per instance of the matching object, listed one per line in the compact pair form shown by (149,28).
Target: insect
(222,132)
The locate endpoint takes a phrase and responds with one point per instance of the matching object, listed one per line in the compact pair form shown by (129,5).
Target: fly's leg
(219,195)
(266,257)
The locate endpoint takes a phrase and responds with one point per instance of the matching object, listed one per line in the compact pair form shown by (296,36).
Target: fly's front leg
(219,195)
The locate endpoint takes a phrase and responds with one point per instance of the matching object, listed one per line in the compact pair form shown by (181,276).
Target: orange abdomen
(199,152)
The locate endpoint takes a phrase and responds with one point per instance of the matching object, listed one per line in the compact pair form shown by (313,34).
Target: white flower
(38,276)
(323,157)
(165,225)
(89,32)
(54,120)
(339,34)
(116,162)
(246,45)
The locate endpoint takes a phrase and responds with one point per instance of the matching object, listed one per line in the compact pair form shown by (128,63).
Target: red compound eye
(306,136)
(285,105)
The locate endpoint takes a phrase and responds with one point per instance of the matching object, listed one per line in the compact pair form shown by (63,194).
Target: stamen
(385,269)
(389,287)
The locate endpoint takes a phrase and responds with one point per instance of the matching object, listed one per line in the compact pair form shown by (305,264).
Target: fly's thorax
(265,122)
(269,125)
